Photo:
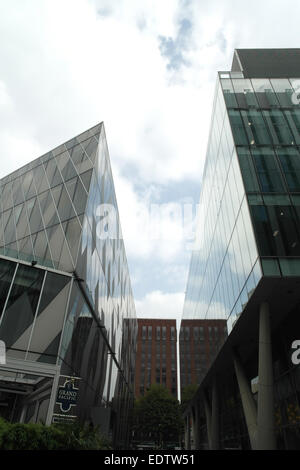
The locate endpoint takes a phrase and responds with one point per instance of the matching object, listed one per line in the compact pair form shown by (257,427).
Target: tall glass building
(67,315)
(246,265)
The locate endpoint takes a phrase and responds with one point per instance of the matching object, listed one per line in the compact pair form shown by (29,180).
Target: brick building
(199,343)
(156,360)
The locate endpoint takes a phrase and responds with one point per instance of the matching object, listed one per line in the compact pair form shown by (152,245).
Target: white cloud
(158,304)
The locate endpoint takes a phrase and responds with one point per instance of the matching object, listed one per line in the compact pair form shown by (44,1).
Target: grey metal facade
(66,294)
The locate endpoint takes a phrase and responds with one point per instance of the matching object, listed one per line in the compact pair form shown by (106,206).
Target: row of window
(198,332)
(269,170)
(260,92)
(256,127)
(160,333)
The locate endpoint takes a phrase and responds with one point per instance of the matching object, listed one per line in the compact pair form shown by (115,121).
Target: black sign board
(66,399)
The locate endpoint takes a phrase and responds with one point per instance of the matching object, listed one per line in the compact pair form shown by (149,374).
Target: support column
(266,439)
(208,419)
(248,402)
(215,441)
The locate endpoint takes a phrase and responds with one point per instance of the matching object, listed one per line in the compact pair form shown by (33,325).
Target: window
(21,306)
(256,128)
(237,126)
(264,93)
(264,235)
(290,161)
(278,127)
(158,333)
(173,333)
(247,169)
(268,170)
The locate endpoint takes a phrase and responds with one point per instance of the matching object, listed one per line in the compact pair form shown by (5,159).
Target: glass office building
(67,315)
(247,252)
(250,204)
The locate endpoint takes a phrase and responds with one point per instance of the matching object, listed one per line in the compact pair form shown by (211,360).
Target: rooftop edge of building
(94,130)
(267,63)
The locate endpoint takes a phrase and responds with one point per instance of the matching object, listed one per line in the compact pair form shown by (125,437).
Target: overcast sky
(147,68)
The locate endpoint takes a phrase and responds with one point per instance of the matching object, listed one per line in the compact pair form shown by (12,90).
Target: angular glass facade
(66,293)
(249,223)
(245,268)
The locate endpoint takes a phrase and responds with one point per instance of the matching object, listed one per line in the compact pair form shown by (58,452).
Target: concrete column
(215,440)
(266,439)
(248,402)
(207,410)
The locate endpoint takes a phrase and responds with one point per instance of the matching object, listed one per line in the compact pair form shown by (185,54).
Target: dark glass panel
(238,130)
(247,169)
(21,306)
(264,93)
(244,93)
(290,267)
(264,235)
(53,286)
(278,127)
(293,118)
(290,161)
(7,270)
(50,316)
(256,127)
(268,170)
(283,91)
(284,229)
